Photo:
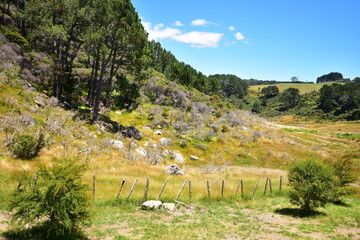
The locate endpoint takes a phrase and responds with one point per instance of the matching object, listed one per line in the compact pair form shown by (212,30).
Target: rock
(178,158)
(157,132)
(141,151)
(174,169)
(194,158)
(116,143)
(165,141)
(170,207)
(151,205)
(166,153)
(150,144)
(131,132)
(40,102)
(147,128)
(84,150)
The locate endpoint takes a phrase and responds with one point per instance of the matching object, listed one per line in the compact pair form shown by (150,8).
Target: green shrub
(27,146)
(14,37)
(313,185)
(57,203)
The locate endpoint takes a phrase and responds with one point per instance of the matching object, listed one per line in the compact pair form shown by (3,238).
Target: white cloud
(232,28)
(199,22)
(239,36)
(159,32)
(178,24)
(230,43)
(199,39)
(246,42)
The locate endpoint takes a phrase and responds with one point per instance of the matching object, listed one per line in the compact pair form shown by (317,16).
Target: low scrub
(27,146)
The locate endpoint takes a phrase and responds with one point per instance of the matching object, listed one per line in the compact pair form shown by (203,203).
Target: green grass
(300,130)
(209,219)
(349,136)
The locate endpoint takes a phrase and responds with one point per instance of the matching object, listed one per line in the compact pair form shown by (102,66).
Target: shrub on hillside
(27,146)
(313,185)
(57,203)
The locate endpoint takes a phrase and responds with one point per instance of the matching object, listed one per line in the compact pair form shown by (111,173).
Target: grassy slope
(303,88)
(277,148)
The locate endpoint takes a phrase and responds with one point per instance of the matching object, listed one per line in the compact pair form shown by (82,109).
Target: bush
(313,185)
(14,37)
(27,146)
(56,203)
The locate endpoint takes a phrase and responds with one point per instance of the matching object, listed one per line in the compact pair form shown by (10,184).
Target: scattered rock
(174,169)
(147,128)
(166,153)
(151,205)
(150,144)
(116,143)
(40,102)
(170,207)
(85,150)
(141,151)
(194,158)
(157,132)
(131,132)
(178,158)
(165,141)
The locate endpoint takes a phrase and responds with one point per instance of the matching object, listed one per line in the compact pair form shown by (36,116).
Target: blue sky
(262,39)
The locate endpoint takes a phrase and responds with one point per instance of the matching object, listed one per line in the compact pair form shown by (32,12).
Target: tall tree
(116,42)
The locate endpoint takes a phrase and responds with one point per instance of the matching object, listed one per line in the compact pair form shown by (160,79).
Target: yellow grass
(303,87)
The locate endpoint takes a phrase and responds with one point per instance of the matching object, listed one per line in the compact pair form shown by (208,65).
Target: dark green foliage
(14,36)
(128,93)
(232,85)
(341,100)
(289,98)
(27,146)
(333,76)
(256,107)
(313,185)
(57,202)
(270,91)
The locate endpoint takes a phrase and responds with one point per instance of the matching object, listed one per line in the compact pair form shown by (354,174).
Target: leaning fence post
(266,184)
(146,189)
(222,188)
(131,190)
(162,189)
(121,187)
(281,181)
(94,187)
(256,185)
(208,188)
(190,191)
(182,187)
(237,188)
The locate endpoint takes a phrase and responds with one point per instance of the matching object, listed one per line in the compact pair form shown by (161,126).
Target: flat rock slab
(170,207)
(151,205)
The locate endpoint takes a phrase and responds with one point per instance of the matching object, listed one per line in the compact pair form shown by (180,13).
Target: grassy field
(303,88)
(245,148)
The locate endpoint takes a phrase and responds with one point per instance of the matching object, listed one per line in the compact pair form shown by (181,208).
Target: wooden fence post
(182,187)
(146,189)
(266,184)
(131,190)
(222,188)
(237,188)
(190,191)
(162,189)
(256,185)
(94,187)
(208,188)
(121,187)
(242,188)
(281,181)
(270,185)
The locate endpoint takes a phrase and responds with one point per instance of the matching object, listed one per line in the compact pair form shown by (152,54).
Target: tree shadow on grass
(296,212)
(40,233)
